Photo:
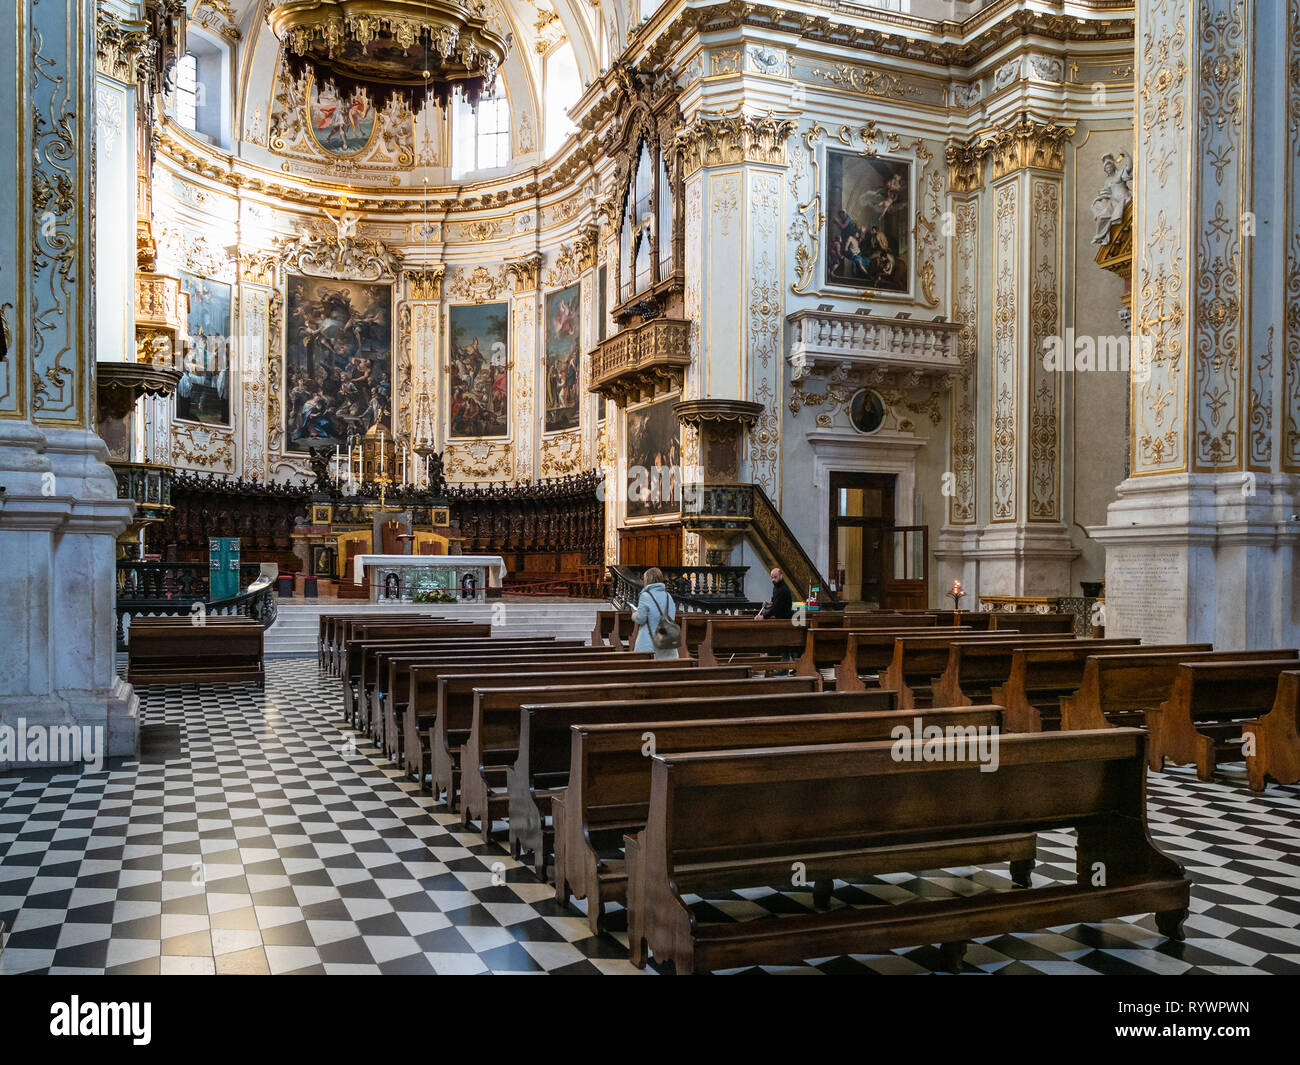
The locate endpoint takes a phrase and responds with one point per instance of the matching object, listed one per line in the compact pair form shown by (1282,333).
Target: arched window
(561,88)
(480,137)
(646,231)
(199,96)
(185,90)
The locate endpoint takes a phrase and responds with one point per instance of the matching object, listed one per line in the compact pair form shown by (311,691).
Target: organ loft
(497,382)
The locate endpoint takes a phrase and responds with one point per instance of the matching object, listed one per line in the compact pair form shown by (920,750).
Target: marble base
(1018,560)
(59,521)
(1203,557)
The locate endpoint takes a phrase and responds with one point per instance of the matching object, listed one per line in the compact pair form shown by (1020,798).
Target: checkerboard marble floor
(256,836)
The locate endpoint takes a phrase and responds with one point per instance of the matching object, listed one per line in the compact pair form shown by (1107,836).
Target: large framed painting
(654,460)
(478,387)
(868,223)
(338,360)
(562,358)
(203,392)
(341,124)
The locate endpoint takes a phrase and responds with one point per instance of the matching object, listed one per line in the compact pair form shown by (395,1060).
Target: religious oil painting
(341,124)
(203,392)
(478,389)
(563,364)
(654,460)
(338,361)
(869,220)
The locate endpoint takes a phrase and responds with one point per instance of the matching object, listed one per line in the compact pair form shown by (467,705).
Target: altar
(428,578)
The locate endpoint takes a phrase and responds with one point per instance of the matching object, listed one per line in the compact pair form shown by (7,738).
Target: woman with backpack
(655,628)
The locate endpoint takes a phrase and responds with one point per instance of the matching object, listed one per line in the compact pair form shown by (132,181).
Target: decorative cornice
(424,284)
(965,166)
(722,140)
(333,255)
(586,246)
(696,411)
(258,268)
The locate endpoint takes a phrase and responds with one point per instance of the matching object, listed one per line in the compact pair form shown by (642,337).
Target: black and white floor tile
(254,835)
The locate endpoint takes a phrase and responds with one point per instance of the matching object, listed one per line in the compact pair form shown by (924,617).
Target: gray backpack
(667,635)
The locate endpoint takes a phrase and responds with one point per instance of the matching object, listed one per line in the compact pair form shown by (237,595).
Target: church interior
(649,487)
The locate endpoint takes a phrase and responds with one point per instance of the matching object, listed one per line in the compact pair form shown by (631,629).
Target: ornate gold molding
(1028,144)
(722,140)
(867,82)
(965,166)
(120,47)
(339,254)
(525,271)
(586,246)
(479,284)
(424,284)
(258,268)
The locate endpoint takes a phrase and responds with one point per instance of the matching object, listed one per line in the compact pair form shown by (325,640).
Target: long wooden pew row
(1118,689)
(548,735)
(728,820)
(871,653)
(352,656)
(608,792)
(1025,622)
(373,677)
(867,654)
(420,714)
(1041,677)
(917,661)
(1272,742)
(351,630)
(885,619)
(492,740)
(975,667)
(1202,720)
(331,627)
(184,650)
(827,648)
(343,626)
(392,674)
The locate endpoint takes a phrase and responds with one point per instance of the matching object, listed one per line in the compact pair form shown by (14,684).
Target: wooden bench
(327,638)
(613,627)
(1202,720)
(696,624)
(975,667)
(1025,622)
(854,619)
(392,675)
(492,741)
(373,680)
(728,820)
(1118,689)
(608,790)
(217,650)
(917,661)
(1040,678)
(870,652)
(420,713)
(1272,743)
(725,638)
(352,656)
(344,626)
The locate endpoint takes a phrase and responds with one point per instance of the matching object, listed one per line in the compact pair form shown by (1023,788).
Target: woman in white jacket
(653,602)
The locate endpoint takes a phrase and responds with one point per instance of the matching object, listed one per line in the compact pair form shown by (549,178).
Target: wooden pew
(871,652)
(726,820)
(1272,743)
(344,625)
(392,675)
(325,637)
(695,624)
(372,684)
(422,693)
(826,648)
(1118,689)
(608,790)
(1201,722)
(917,660)
(613,627)
(975,667)
(854,619)
(352,657)
(219,650)
(1060,624)
(1039,678)
(492,737)
(726,637)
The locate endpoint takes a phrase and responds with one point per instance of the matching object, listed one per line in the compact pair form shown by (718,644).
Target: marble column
(59,515)
(1199,544)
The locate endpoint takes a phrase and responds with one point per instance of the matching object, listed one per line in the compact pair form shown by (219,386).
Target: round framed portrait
(866,411)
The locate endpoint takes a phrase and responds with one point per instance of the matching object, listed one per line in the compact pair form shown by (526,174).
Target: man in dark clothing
(781,606)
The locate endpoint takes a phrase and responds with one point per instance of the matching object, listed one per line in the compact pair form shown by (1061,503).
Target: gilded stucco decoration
(721,139)
(964,407)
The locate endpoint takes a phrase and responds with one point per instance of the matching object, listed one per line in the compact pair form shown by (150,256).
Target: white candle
(403,465)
